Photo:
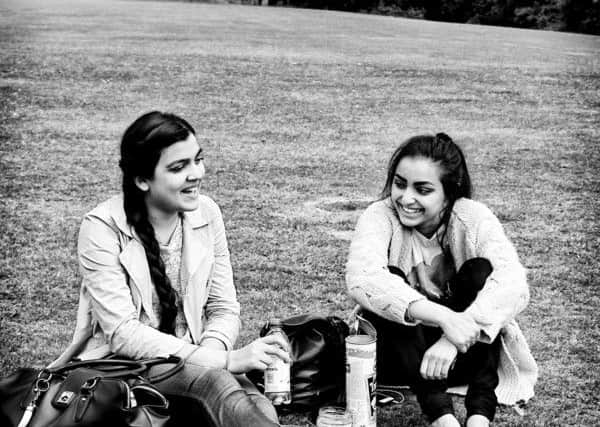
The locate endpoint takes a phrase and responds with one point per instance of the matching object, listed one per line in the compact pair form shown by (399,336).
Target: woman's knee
(234,400)
(467,282)
(476,271)
(213,381)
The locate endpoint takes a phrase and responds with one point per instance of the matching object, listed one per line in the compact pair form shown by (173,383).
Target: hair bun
(443,137)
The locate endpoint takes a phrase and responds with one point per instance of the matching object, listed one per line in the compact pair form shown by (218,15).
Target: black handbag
(318,372)
(99,392)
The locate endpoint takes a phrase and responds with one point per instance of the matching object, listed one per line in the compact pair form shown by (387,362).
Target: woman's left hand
(438,359)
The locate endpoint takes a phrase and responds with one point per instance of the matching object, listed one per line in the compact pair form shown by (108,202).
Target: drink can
(361,379)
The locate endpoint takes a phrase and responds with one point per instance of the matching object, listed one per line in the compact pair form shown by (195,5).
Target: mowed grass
(299,111)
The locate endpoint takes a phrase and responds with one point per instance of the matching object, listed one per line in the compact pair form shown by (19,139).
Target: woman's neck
(163,223)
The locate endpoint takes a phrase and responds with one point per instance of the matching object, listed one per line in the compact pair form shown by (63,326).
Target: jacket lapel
(133,259)
(195,247)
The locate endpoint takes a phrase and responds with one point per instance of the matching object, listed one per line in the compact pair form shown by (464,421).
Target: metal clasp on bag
(41,385)
(89,385)
(85,397)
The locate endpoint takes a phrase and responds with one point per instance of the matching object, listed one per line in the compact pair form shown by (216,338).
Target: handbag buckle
(89,385)
(65,398)
(40,386)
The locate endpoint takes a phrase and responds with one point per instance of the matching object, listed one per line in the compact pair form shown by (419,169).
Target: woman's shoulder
(469,211)
(380,213)
(111,212)
(207,211)
(382,207)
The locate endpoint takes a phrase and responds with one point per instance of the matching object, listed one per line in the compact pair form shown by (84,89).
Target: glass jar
(334,416)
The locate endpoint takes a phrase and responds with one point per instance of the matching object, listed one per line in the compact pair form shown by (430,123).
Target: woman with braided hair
(157,278)
(442,284)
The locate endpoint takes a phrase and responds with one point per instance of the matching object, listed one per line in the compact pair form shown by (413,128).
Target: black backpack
(318,372)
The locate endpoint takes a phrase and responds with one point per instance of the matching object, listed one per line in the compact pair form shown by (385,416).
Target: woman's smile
(418,194)
(192,190)
(413,211)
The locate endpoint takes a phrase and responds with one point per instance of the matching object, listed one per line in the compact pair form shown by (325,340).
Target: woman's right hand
(460,329)
(259,354)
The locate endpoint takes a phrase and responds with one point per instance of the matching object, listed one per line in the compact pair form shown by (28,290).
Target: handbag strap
(114,368)
(175,360)
(302,319)
(110,368)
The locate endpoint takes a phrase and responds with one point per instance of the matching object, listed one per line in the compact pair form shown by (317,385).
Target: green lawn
(300,110)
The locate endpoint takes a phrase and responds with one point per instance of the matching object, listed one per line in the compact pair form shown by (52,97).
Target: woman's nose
(407,196)
(197,172)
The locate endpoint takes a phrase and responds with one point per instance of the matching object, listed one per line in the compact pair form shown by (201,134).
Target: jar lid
(334,416)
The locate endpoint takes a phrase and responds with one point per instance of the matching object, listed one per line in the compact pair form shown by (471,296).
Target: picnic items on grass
(318,367)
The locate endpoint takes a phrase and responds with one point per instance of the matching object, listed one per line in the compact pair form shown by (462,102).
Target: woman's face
(418,194)
(177,176)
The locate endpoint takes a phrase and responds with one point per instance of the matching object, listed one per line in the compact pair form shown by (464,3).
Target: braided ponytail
(141,148)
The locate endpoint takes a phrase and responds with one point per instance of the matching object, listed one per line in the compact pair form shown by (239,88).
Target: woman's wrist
(213,342)
(429,312)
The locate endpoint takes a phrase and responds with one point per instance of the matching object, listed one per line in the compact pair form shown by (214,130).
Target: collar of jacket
(133,256)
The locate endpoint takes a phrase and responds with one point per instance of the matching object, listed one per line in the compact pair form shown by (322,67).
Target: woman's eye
(199,159)
(424,190)
(400,184)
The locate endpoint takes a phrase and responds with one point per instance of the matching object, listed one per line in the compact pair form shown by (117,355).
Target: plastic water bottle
(277,375)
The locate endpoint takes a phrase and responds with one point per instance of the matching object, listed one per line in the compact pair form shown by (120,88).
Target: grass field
(299,111)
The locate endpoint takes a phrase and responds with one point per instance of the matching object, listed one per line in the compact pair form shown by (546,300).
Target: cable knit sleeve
(505,293)
(368,279)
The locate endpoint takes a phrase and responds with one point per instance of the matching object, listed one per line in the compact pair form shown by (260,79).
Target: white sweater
(473,231)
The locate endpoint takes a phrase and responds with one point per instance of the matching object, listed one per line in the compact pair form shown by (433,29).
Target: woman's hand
(259,354)
(438,359)
(460,329)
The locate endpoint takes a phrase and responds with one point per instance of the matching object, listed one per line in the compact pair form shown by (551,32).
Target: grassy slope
(300,110)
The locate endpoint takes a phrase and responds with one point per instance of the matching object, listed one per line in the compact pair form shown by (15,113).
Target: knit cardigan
(473,231)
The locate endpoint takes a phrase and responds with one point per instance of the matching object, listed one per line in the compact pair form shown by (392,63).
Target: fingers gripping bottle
(277,374)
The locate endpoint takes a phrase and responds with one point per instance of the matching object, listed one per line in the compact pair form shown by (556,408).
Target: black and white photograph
(299,213)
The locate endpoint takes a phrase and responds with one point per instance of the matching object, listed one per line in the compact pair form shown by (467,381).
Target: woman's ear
(142,183)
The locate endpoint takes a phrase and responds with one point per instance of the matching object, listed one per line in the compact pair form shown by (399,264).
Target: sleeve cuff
(220,336)
(489,329)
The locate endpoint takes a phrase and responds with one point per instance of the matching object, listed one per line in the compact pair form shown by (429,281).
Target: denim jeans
(214,397)
(400,351)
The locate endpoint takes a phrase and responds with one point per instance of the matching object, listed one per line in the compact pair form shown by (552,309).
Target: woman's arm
(105,283)
(368,279)
(505,293)
(222,309)
(459,328)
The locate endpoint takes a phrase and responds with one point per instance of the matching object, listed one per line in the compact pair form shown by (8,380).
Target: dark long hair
(141,147)
(442,150)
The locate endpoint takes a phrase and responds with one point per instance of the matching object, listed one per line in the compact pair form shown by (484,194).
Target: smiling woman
(442,285)
(157,279)
(174,186)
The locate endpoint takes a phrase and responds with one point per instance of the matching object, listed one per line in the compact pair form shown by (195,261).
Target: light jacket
(116,287)
(473,231)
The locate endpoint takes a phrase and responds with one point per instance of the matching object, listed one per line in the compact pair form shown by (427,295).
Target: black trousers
(400,351)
